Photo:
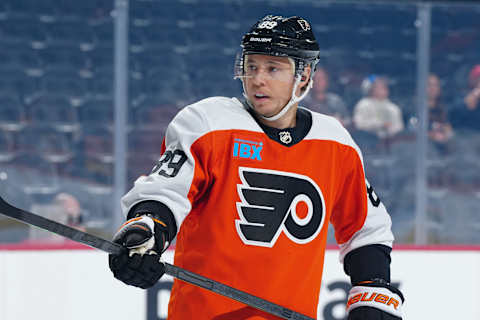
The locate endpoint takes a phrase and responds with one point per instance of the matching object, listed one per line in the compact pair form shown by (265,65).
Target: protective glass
(270,69)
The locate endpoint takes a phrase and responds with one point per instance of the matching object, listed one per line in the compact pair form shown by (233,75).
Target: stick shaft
(58,228)
(233,293)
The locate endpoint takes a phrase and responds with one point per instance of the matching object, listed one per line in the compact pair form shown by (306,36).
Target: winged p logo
(268,205)
(304,24)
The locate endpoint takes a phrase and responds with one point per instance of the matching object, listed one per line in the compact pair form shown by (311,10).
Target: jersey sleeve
(359,217)
(181,174)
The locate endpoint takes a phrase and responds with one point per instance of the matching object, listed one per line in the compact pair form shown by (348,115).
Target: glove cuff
(158,211)
(143,234)
(142,226)
(375,297)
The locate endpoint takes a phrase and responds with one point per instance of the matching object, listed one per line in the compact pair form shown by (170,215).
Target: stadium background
(88,87)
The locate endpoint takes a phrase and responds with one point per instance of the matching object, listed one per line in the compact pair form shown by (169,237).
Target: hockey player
(248,189)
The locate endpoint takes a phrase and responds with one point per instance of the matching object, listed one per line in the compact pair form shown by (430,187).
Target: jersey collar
(288,136)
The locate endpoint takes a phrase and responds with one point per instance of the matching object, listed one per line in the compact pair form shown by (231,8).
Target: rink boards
(76,284)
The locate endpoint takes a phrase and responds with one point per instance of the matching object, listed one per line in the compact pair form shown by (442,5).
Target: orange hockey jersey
(253,213)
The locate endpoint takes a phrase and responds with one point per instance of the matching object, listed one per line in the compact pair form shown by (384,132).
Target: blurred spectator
(70,207)
(63,208)
(439,128)
(375,112)
(321,100)
(468,114)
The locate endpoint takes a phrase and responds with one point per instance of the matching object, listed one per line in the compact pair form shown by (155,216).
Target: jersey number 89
(170,163)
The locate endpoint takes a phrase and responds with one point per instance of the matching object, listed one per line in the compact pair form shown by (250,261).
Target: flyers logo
(268,207)
(304,24)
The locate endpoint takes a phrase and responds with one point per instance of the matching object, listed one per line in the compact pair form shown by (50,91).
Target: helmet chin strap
(294,99)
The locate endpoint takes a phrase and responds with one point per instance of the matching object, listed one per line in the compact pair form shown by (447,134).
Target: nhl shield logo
(304,24)
(285,137)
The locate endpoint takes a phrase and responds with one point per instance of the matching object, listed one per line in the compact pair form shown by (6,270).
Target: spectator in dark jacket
(467,115)
(321,100)
(439,128)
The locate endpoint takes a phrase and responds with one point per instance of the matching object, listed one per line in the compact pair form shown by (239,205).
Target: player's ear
(305,76)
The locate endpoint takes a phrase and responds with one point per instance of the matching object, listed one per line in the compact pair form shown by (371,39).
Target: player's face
(268,82)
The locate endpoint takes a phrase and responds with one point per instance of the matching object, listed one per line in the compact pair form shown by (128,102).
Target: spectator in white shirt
(375,112)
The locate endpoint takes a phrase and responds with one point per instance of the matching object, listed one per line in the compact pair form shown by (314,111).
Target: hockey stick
(174,271)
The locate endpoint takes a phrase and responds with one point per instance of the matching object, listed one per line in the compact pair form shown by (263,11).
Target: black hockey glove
(374,300)
(140,266)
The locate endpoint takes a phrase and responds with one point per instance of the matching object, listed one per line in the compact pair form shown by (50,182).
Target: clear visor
(264,67)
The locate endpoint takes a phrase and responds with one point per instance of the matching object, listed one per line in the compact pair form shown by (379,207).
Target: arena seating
(56,87)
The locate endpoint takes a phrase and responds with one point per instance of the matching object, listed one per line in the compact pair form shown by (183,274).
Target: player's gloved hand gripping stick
(174,271)
(145,238)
